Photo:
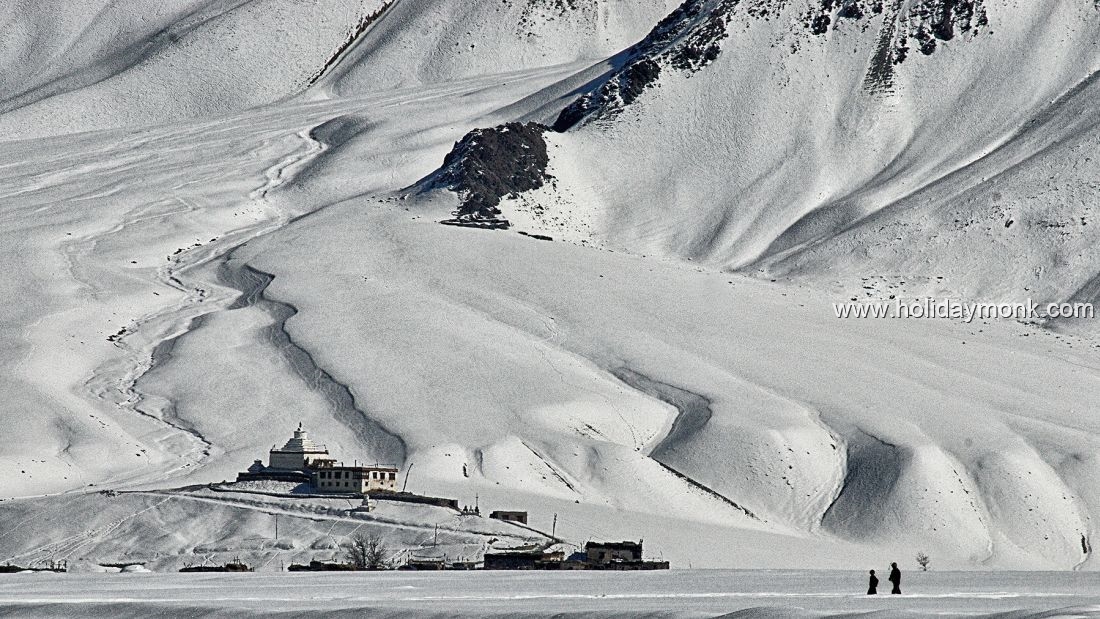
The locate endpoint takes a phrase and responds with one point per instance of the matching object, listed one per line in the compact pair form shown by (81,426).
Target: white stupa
(298,453)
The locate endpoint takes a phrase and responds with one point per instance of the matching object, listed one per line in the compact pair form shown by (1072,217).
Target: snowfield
(220,219)
(680,593)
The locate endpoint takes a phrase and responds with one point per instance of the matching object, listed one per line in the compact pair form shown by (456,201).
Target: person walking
(895,579)
(872,586)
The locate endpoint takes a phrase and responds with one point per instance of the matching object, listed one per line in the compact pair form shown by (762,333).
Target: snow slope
(422,41)
(877,431)
(78,67)
(250,239)
(823,157)
(168,530)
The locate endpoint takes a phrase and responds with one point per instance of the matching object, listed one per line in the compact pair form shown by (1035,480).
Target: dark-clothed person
(895,578)
(872,586)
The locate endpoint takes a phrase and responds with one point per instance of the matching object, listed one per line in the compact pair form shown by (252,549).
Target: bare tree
(923,561)
(367,552)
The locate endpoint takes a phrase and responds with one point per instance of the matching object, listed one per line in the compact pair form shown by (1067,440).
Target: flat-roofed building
(603,553)
(507,516)
(357,479)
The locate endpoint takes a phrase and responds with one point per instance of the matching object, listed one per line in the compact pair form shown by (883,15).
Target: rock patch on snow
(489,164)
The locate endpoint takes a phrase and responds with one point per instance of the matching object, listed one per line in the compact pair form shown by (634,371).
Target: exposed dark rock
(623,88)
(489,164)
(880,74)
(925,21)
(357,31)
(533,10)
(481,224)
(561,6)
(638,76)
(540,237)
(690,38)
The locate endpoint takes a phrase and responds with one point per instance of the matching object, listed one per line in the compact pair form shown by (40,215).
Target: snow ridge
(382,445)
(357,32)
(693,415)
(690,38)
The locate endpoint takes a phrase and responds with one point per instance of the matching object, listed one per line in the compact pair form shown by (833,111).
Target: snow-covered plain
(189,274)
(680,593)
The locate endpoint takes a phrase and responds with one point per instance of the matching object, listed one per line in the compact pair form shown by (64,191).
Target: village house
(527,559)
(602,553)
(506,516)
(425,563)
(619,556)
(597,556)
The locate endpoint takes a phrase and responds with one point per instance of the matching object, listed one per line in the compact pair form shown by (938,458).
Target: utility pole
(406,484)
(436,542)
(554,527)
(276,527)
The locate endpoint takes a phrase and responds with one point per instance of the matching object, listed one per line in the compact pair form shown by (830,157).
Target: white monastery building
(301,457)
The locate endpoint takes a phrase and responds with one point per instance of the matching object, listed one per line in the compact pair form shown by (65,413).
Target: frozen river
(691,593)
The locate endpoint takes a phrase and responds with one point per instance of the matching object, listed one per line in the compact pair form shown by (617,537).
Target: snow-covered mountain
(841,140)
(222,218)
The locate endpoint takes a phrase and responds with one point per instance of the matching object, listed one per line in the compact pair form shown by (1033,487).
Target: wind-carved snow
(382,446)
(149,339)
(693,416)
(100,65)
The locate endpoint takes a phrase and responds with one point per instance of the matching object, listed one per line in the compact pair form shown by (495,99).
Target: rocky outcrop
(489,164)
(690,38)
